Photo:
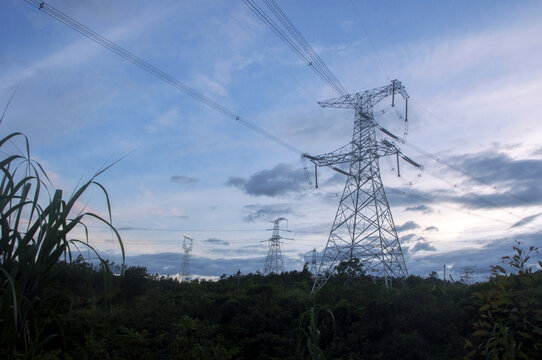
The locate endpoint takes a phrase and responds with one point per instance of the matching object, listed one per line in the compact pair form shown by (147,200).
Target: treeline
(88,313)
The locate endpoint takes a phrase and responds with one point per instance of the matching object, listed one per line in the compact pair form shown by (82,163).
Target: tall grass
(36,227)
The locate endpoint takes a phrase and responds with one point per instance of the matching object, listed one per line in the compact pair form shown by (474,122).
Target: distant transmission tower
(363,227)
(273,262)
(185,264)
(468,275)
(313,262)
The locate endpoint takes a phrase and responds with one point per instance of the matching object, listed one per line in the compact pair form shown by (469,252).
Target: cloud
(422,246)
(216,241)
(168,263)
(423,208)
(164,120)
(336,178)
(280,180)
(409,225)
(511,182)
(499,168)
(266,212)
(526,220)
(538,151)
(314,229)
(515,181)
(408,238)
(482,252)
(182,179)
(431,228)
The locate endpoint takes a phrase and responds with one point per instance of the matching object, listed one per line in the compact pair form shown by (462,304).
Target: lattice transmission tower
(273,262)
(185,263)
(313,262)
(363,228)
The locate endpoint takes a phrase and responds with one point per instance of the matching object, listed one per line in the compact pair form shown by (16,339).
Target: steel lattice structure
(363,227)
(185,264)
(313,262)
(273,262)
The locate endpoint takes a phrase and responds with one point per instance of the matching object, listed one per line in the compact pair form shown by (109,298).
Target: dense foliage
(54,307)
(37,230)
(140,316)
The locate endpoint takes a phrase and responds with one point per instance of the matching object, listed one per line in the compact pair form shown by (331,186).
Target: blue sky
(472,69)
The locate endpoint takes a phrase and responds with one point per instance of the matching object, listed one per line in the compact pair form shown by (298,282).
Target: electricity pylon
(273,262)
(363,227)
(313,262)
(468,275)
(185,264)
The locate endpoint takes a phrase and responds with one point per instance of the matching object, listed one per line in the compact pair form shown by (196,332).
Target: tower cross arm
(386,148)
(368,98)
(342,155)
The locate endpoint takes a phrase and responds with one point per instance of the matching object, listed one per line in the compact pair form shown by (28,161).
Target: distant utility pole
(273,262)
(444,274)
(185,264)
(363,227)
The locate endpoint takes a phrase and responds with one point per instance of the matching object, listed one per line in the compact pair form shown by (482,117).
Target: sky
(472,70)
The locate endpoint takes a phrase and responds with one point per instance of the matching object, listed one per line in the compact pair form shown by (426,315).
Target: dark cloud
(258,248)
(408,196)
(314,229)
(488,252)
(422,246)
(181,179)
(526,220)
(127,228)
(409,225)
(516,182)
(266,212)
(280,180)
(216,241)
(431,228)
(251,258)
(336,178)
(498,168)
(170,264)
(423,208)
(408,238)
(512,183)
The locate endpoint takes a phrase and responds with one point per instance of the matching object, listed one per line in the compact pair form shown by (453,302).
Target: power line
(67,20)
(136,228)
(303,49)
(295,40)
(9,102)
(419,197)
(370,41)
(416,148)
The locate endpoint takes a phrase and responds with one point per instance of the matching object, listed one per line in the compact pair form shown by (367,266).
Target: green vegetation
(56,307)
(36,235)
(141,316)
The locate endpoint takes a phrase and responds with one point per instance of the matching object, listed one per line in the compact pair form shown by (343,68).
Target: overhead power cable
(9,102)
(308,54)
(67,20)
(288,33)
(369,39)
